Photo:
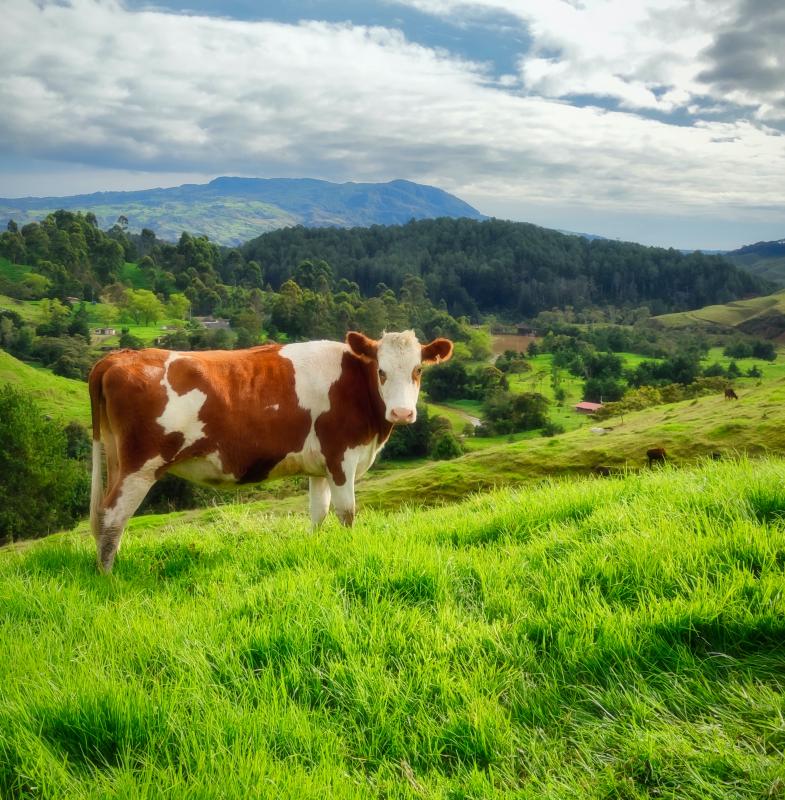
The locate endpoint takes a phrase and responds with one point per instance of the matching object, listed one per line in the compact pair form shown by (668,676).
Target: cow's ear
(362,346)
(436,351)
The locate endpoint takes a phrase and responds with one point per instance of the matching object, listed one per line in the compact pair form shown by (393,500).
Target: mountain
(764,259)
(232,210)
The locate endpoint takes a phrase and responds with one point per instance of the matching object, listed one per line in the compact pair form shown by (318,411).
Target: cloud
(107,87)
(648,55)
(746,64)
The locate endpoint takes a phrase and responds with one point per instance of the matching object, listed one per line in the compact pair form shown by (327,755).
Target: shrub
(445,446)
(41,489)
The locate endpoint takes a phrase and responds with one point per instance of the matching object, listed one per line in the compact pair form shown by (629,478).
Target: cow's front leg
(319,493)
(343,499)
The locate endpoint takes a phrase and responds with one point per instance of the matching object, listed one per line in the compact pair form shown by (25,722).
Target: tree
(178,306)
(445,446)
(143,306)
(41,489)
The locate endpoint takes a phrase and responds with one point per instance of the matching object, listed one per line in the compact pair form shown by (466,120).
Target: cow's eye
(417,373)
(382,376)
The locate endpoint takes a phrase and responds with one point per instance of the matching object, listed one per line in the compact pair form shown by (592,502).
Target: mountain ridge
(764,259)
(231,209)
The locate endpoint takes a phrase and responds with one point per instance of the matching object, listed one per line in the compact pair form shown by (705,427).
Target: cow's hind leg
(319,493)
(118,507)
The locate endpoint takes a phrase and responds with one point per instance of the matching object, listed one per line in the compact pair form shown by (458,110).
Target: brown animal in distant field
(730,394)
(602,470)
(656,455)
(323,409)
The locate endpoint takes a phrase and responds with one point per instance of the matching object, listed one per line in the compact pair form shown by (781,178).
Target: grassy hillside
(764,259)
(61,398)
(591,639)
(737,314)
(688,430)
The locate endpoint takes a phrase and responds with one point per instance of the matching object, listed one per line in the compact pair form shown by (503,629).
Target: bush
(551,429)
(445,446)
(41,489)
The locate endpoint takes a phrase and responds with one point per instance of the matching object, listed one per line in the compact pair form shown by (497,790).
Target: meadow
(613,638)
(63,399)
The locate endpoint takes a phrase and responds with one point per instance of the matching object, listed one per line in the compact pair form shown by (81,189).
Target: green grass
(770,370)
(618,638)
(13,272)
(691,429)
(62,398)
(28,310)
(728,314)
(132,276)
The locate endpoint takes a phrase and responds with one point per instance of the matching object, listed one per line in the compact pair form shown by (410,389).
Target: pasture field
(689,430)
(614,638)
(28,310)
(728,314)
(62,398)
(13,272)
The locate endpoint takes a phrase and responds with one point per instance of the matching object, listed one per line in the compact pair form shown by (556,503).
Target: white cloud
(107,87)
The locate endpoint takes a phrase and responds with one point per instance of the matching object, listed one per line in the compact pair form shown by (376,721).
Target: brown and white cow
(323,409)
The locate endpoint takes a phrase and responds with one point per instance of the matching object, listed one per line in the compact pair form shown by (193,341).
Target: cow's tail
(95,382)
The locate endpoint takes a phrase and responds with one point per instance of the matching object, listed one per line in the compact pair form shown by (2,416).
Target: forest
(465,267)
(512,269)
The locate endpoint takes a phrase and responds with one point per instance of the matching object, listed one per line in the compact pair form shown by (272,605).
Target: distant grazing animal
(730,394)
(323,409)
(656,455)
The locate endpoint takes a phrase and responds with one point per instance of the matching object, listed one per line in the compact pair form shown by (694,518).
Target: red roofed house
(587,408)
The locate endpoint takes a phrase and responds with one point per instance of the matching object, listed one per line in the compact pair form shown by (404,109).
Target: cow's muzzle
(401,416)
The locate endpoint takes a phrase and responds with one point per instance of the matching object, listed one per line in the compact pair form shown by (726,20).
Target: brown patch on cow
(356,414)
(362,346)
(251,414)
(436,351)
(129,405)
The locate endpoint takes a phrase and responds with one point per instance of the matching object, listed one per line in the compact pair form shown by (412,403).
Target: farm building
(587,408)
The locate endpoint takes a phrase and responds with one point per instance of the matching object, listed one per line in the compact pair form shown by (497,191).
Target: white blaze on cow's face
(399,358)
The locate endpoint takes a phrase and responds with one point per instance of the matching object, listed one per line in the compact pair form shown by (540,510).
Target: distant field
(617,638)
(729,314)
(691,429)
(27,309)
(61,398)
(12,272)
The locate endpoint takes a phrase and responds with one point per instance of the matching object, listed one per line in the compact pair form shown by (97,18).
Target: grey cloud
(746,57)
(166,92)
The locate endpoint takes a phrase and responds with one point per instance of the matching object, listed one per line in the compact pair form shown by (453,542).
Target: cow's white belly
(208,470)
(308,461)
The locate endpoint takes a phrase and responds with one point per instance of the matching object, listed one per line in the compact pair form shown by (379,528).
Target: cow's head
(398,359)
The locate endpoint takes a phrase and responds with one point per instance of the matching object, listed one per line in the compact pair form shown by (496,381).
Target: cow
(656,455)
(323,409)
(730,394)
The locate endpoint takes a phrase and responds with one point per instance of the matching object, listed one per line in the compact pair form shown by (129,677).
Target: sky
(657,121)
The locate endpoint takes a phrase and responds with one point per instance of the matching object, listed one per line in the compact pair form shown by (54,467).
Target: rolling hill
(232,210)
(61,398)
(764,259)
(759,316)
